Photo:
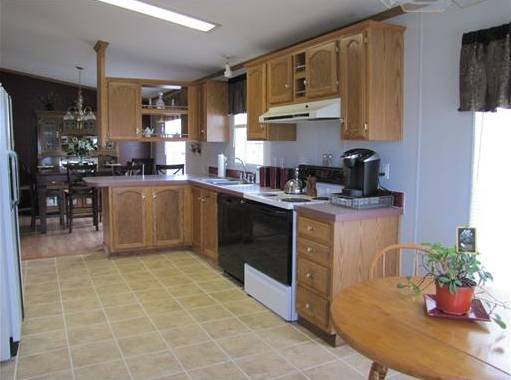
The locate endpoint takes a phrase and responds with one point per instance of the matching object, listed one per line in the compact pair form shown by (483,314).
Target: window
(175,151)
(491,183)
(251,152)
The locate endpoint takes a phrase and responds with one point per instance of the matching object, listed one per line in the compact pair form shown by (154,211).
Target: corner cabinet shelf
(127,114)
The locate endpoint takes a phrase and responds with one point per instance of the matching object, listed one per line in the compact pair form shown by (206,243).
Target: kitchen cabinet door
(124,109)
(168,215)
(256,102)
(280,80)
(321,71)
(197,219)
(210,224)
(131,218)
(49,128)
(353,78)
(194,112)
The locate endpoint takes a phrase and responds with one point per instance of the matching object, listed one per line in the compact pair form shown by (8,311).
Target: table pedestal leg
(377,372)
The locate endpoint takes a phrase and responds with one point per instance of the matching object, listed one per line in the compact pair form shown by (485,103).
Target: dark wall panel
(27,93)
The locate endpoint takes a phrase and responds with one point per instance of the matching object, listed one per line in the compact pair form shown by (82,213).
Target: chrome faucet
(243,175)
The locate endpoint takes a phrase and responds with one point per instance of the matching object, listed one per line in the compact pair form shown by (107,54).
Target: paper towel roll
(221,164)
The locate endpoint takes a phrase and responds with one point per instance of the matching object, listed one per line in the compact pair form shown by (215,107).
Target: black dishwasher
(257,234)
(231,219)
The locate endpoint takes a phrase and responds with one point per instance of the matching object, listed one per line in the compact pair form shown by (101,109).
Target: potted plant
(456,276)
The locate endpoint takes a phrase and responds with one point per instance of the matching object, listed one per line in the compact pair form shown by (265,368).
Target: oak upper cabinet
(168,215)
(207,109)
(130,218)
(321,71)
(256,106)
(124,109)
(371,82)
(205,225)
(280,80)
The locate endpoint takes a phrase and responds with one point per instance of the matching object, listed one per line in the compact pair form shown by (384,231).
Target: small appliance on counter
(361,168)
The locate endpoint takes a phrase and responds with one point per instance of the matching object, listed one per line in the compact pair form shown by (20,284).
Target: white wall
(432,164)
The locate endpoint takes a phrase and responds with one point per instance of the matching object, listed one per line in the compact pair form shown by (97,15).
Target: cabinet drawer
(314,230)
(314,276)
(313,308)
(315,251)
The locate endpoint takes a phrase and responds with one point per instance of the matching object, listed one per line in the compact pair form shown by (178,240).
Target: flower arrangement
(80,147)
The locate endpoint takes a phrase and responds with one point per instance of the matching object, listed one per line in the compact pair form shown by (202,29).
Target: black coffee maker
(361,169)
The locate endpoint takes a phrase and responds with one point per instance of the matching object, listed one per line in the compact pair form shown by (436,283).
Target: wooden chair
(388,260)
(79,191)
(30,189)
(162,169)
(146,163)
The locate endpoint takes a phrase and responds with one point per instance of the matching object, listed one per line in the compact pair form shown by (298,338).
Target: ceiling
(49,37)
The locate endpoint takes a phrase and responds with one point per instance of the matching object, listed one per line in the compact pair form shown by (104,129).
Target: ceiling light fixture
(79,112)
(427,6)
(161,13)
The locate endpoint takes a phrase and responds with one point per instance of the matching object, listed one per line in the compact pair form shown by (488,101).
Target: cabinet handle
(365,127)
(286,85)
(143,196)
(305,82)
(242,202)
(307,306)
(309,275)
(154,195)
(309,228)
(309,249)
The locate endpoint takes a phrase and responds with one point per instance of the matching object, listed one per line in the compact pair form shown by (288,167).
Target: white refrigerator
(11,287)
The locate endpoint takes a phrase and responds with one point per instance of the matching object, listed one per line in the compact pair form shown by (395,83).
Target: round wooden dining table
(390,326)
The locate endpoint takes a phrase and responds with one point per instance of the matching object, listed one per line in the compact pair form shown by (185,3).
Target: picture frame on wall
(466,239)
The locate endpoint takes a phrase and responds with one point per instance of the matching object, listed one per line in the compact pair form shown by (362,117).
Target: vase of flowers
(80,147)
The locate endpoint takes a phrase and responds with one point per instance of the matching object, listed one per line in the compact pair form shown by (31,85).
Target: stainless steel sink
(222,181)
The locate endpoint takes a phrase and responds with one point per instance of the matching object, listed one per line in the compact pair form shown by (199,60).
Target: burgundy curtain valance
(485,69)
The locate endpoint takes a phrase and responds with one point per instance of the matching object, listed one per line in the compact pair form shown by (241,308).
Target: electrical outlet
(386,170)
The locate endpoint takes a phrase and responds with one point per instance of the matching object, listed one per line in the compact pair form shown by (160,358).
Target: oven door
(267,240)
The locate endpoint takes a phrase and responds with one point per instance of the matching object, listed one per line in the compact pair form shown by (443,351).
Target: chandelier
(79,112)
(427,6)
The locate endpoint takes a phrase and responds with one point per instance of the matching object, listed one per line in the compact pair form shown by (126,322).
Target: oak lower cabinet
(256,106)
(371,83)
(207,111)
(205,222)
(333,255)
(143,218)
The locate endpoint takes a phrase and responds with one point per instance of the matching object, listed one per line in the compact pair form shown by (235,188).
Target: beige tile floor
(166,316)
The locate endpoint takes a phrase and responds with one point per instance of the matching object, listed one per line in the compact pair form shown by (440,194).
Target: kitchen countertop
(162,180)
(332,213)
(325,211)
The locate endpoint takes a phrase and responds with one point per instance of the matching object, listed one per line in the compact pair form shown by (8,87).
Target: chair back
(163,169)
(388,260)
(147,163)
(77,172)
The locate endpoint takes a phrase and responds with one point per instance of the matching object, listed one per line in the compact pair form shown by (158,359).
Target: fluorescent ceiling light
(163,14)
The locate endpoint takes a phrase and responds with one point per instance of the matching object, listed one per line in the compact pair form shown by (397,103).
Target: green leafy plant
(80,147)
(445,266)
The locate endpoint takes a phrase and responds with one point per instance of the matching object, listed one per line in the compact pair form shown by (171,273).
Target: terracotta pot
(454,303)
